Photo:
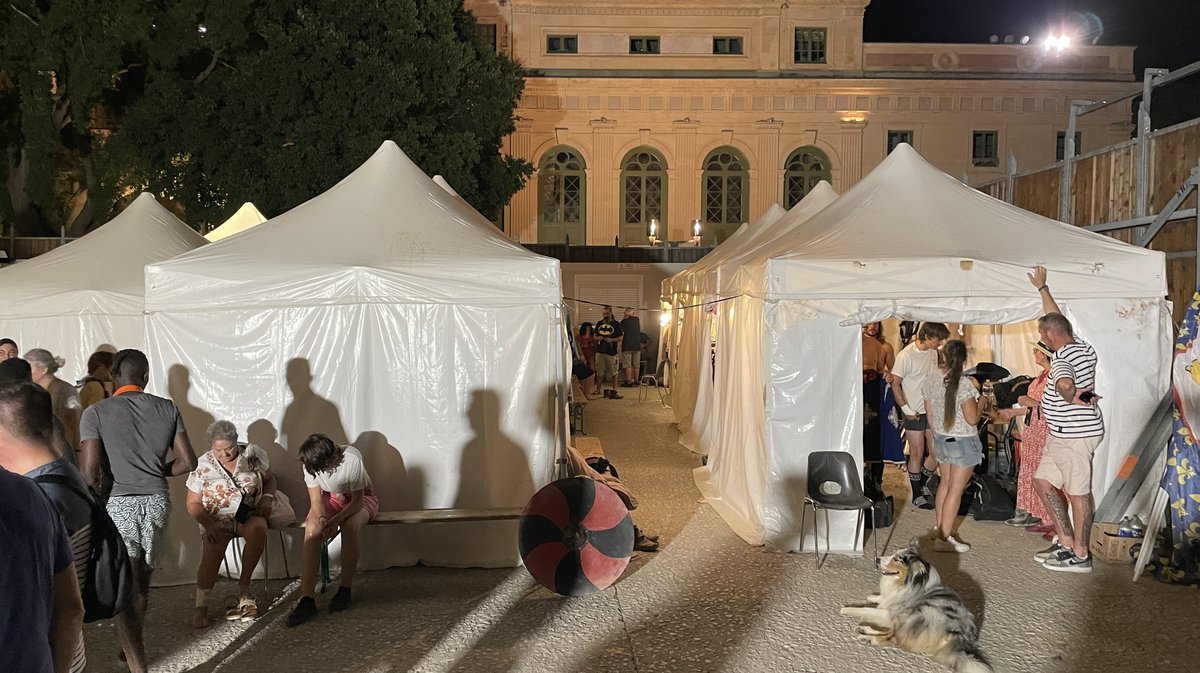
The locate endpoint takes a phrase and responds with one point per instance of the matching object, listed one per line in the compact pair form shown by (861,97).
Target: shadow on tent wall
(494,470)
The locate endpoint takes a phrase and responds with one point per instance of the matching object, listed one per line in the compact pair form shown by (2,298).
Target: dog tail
(963,662)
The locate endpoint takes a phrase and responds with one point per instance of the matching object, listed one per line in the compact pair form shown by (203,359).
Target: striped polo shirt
(1075,361)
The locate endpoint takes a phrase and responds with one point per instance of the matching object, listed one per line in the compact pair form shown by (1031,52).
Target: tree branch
(216,57)
(31,19)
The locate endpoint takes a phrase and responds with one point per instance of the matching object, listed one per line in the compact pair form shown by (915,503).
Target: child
(341,500)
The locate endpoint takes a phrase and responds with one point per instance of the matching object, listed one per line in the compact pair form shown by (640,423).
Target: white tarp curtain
(246,217)
(911,242)
(91,291)
(694,410)
(388,313)
(696,277)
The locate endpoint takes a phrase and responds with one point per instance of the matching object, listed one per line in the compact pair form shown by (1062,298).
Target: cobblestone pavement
(706,602)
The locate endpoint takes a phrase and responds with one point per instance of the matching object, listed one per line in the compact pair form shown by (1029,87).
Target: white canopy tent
(911,242)
(389,314)
(91,291)
(246,217)
(693,288)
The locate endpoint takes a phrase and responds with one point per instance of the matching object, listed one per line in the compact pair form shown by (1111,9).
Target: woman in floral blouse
(224,480)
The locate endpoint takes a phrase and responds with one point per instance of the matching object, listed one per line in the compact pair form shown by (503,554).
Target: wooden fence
(27,247)
(1103,189)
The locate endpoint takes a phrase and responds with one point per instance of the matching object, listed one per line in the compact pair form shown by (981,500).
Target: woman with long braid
(952,405)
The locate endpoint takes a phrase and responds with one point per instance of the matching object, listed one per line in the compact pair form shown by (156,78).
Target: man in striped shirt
(1076,428)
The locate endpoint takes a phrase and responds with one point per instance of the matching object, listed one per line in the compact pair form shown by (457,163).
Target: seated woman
(230,495)
(341,500)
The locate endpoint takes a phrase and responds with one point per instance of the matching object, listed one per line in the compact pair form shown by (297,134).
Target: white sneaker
(952,543)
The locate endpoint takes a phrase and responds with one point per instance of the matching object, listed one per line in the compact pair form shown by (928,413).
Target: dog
(916,612)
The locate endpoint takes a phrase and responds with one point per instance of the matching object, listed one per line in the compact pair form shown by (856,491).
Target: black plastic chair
(837,472)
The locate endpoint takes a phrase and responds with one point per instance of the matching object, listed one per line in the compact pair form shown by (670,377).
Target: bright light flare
(1057,43)
(664,319)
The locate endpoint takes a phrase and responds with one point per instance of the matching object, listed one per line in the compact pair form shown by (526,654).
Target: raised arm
(1037,277)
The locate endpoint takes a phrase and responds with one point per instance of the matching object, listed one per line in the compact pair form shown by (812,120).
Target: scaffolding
(1151,224)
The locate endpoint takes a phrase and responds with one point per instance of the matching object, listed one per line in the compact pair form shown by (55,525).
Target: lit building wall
(603,105)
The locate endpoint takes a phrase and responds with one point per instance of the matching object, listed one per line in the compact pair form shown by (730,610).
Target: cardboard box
(1107,546)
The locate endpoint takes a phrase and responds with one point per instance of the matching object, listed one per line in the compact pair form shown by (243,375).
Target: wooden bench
(589,446)
(457,515)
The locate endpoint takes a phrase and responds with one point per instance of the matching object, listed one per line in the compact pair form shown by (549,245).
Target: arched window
(804,169)
(562,197)
(726,183)
(643,195)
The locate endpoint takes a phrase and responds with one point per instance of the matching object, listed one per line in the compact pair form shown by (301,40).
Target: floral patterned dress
(1033,443)
(222,492)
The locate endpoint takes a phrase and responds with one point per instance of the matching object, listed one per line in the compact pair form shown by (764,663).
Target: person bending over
(230,495)
(341,500)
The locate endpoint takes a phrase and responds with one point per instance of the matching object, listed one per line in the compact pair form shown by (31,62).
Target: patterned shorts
(141,520)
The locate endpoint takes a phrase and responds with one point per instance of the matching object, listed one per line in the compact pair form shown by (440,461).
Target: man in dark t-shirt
(631,346)
(41,612)
(41,463)
(135,431)
(608,339)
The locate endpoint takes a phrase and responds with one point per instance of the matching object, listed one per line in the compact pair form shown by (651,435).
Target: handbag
(244,511)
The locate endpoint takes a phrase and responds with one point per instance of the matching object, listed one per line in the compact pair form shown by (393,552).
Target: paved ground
(706,602)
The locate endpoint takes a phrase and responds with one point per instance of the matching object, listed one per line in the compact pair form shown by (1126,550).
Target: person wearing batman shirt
(608,341)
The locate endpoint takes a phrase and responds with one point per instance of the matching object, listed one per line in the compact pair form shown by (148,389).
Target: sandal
(245,611)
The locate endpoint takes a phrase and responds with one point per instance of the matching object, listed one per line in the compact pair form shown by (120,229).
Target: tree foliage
(271,101)
(60,60)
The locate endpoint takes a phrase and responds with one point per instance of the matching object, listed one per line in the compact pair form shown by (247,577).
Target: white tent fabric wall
(696,380)
(379,313)
(688,288)
(733,480)
(910,242)
(91,291)
(246,217)
(700,283)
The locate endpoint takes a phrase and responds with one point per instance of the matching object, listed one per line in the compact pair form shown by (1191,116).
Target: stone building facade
(711,110)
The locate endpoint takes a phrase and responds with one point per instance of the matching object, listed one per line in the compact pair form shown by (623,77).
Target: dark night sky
(1165,32)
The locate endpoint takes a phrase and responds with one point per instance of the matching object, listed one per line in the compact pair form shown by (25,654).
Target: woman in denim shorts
(952,406)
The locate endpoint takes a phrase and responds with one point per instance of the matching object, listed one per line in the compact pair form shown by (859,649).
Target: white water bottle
(1137,527)
(1125,528)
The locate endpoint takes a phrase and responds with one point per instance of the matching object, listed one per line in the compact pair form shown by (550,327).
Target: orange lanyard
(127,389)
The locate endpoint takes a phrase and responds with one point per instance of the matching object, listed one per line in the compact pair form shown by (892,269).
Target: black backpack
(968,497)
(1007,392)
(108,580)
(601,465)
(992,502)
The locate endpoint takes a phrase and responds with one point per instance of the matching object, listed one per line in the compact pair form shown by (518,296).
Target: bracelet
(1042,288)
(269,495)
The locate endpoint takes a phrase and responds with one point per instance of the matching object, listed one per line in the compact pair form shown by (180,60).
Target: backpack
(601,465)
(108,579)
(968,497)
(992,502)
(1007,392)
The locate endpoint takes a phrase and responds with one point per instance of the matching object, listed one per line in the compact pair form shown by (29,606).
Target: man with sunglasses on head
(135,431)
